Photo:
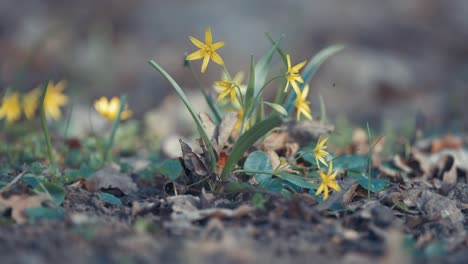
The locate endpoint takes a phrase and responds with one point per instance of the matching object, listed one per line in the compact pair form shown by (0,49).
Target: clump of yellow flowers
(230,91)
(231,87)
(14,104)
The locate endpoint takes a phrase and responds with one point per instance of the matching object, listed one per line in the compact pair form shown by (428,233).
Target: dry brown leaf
(448,142)
(275,141)
(225,130)
(349,194)
(193,161)
(111,178)
(19,203)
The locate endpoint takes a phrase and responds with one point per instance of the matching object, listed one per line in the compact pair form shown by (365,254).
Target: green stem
(110,142)
(370,163)
(255,101)
(45,129)
(227,73)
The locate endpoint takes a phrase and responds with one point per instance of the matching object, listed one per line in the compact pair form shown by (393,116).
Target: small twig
(15,180)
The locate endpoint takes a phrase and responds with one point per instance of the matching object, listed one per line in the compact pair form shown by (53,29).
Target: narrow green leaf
(278,49)
(249,94)
(278,108)
(115,126)
(45,129)
(323,111)
(311,68)
(262,68)
(247,140)
(195,117)
(296,180)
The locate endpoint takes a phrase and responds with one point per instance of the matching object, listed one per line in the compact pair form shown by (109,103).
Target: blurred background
(404,58)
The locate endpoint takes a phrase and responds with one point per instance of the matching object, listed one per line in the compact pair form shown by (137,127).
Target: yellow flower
(320,151)
(302,105)
(31,103)
(110,109)
(54,99)
(292,75)
(207,51)
(10,108)
(328,181)
(225,88)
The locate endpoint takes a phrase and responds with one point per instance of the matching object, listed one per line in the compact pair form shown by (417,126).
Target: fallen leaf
(19,203)
(112,181)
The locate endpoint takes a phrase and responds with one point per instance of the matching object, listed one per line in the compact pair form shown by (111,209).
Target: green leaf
(278,108)
(323,111)
(171,168)
(278,49)
(195,117)
(376,185)
(57,192)
(32,180)
(110,199)
(249,94)
(35,213)
(311,68)
(274,185)
(258,161)
(296,180)
(356,163)
(247,139)
(262,68)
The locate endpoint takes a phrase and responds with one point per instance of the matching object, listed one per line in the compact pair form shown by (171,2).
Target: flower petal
(334,186)
(206,59)
(196,55)
(217,45)
(297,67)
(197,43)
(208,37)
(216,58)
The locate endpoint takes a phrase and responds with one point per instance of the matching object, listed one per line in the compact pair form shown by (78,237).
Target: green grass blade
(310,69)
(247,140)
(195,117)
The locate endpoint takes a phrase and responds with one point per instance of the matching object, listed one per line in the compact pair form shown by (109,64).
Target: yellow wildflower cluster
(328,179)
(231,87)
(13,104)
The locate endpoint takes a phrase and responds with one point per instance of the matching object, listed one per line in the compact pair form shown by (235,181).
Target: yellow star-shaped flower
(302,105)
(54,99)
(225,88)
(328,181)
(292,75)
(207,50)
(320,151)
(10,108)
(110,109)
